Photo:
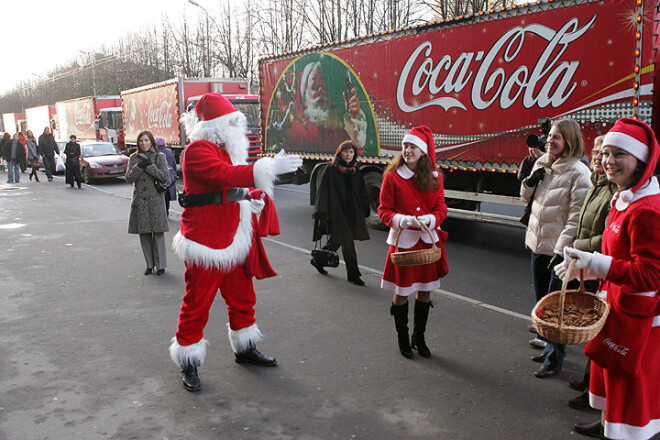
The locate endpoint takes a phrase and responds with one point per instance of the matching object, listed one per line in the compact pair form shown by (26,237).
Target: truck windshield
(111,120)
(250,110)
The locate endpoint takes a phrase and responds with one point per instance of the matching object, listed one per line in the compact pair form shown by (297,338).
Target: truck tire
(373,181)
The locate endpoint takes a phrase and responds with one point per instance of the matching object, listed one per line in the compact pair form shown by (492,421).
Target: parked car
(101,160)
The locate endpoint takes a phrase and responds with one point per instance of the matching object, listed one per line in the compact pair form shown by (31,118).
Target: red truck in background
(481,82)
(158,107)
(41,117)
(80,116)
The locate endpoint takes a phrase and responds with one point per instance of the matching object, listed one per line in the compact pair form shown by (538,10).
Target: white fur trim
(416,141)
(407,291)
(627,143)
(597,402)
(405,172)
(264,175)
(220,259)
(228,131)
(183,355)
(632,432)
(627,197)
(244,339)
(600,265)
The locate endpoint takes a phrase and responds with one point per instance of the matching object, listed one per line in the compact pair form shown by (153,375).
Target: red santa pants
(202,284)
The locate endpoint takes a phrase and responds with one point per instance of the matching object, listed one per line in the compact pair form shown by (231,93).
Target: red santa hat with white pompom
(212,113)
(636,138)
(422,137)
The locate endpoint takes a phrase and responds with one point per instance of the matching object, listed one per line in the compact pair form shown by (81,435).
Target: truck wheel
(312,180)
(373,181)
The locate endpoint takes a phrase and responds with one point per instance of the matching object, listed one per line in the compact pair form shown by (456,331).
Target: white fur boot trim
(221,259)
(188,354)
(264,176)
(245,338)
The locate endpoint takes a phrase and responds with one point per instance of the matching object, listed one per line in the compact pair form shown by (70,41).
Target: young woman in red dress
(412,194)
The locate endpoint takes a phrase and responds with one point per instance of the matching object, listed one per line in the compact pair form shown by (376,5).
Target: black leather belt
(191,200)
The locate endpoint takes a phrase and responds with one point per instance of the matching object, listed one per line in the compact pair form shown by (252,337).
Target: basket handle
(562,296)
(428,231)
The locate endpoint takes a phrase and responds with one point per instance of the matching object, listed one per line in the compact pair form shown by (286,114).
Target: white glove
(256,206)
(409,221)
(583,259)
(286,164)
(562,268)
(425,219)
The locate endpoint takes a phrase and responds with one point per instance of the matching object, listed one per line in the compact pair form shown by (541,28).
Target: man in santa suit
(227,209)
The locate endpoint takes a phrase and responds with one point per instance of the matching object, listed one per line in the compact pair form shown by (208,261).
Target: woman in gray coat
(148,217)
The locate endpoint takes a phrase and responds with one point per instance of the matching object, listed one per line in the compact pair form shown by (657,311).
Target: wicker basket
(419,257)
(565,334)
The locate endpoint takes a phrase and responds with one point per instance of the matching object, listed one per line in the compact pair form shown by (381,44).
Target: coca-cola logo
(160,117)
(617,348)
(549,82)
(83,114)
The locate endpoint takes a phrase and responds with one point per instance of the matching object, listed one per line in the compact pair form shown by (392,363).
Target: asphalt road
(84,337)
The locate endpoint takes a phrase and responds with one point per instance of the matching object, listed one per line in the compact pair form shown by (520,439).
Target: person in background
(629,267)
(121,144)
(558,184)
(170,193)
(48,148)
(32,155)
(341,205)
(73,152)
(413,194)
(6,139)
(14,155)
(148,217)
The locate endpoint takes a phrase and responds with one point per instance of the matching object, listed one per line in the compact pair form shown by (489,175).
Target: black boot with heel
(419,328)
(400,314)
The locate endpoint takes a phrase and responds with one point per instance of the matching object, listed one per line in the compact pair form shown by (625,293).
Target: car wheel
(85,176)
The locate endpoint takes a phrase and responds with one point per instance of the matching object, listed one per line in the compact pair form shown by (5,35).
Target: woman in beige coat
(558,183)
(148,216)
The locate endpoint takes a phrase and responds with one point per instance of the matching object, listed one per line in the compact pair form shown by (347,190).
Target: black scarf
(345,168)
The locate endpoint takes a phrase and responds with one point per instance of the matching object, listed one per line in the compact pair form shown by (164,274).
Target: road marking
(442,292)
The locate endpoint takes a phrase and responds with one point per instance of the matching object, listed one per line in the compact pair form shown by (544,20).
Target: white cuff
(264,176)
(600,265)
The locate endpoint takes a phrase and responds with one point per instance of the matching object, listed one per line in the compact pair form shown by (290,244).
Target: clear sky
(38,35)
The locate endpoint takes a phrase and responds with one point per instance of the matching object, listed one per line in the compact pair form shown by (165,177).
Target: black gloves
(144,164)
(555,260)
(535,177)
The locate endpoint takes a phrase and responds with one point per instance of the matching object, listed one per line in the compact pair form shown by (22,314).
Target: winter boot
(419,327)
(255,357)
(190,378)
(400,314)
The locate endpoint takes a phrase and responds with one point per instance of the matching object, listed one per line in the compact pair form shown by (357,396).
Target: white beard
(236,144)
(327,118)
(228,132)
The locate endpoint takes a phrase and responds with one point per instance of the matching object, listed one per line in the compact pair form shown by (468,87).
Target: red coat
(631,260)
(222,235)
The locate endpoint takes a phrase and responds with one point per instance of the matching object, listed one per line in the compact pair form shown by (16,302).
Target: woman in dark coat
(148,216)
(73,152)
(341,205)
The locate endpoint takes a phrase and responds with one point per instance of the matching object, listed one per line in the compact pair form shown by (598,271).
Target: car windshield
(95,150)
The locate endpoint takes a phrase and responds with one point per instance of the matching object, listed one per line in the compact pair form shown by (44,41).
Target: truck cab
(108,122)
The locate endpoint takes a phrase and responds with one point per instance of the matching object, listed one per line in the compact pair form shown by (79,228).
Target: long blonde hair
(572,134)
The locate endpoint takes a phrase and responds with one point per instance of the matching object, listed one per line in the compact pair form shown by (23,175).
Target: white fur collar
(405,172)
(626,198)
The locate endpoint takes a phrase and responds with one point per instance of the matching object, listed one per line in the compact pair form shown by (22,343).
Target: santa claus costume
(404,205)
(222,223)
(630,269)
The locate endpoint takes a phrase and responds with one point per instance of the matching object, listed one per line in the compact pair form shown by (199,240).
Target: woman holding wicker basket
(625,369)
(558,185)
(412,204)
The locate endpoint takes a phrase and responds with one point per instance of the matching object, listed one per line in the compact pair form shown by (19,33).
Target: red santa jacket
(226,235)
(400,196)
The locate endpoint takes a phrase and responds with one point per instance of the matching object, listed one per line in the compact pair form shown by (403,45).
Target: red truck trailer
(80,116)
(41,117)
(481,82)
(14,122)
(158,107)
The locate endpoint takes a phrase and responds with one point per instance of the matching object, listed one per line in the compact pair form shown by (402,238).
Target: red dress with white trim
(400,196)
(631,259)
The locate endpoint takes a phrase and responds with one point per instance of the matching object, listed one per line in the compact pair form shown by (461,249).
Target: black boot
(419,327)
(593,429)
(255,357)
(400,314)
(190,378)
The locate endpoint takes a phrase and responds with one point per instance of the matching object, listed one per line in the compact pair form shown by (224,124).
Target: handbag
(621,344)
(324,257)
(524,219)
(171,180)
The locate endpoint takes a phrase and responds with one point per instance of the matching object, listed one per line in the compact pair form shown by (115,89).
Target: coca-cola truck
(80,116)
(38,118)
(14,122)
(158,107)
(481,82)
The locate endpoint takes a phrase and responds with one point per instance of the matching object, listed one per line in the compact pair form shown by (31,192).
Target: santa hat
(638,139)
(422,137)
(210,116)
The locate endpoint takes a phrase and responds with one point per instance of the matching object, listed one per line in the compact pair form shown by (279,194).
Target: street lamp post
(207,68)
